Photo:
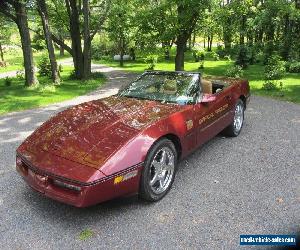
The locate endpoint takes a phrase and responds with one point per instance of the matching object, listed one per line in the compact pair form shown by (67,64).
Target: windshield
(171,87)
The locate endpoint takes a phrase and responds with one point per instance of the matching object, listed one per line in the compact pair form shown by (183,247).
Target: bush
(7,82)
(227,58)
(151,61)
(235,71)
(243,57)
(221,51)
(215,56)
(269,85)
(268,52)
(201,65)
(38,42)
(293,67)
(275,69)
(20,75)
(44,66)
(60,68)
(102,47)
(198,54)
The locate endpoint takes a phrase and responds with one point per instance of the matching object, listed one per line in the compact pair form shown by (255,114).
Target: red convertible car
(130,143)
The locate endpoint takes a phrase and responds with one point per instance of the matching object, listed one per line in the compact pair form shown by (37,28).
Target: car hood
(91,132)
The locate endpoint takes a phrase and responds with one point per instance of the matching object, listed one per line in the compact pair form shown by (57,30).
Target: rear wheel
(235,127)
(159,170)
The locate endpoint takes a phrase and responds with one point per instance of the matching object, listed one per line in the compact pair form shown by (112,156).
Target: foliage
(198,54)
(151,61)
(60,68)
(20,75)
(235,71)
(227,58)
(293,67)
(44,66)
(269,85)
(215,56)
(243,57)
(8,81)
(275,69)
(38,41)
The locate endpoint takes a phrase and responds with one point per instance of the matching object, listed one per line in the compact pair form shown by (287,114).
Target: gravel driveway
(230,186)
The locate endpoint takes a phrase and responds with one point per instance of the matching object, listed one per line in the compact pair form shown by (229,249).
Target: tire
(235,127)
(159,171)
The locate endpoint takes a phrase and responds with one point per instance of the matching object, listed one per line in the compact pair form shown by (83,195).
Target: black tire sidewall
(145,189)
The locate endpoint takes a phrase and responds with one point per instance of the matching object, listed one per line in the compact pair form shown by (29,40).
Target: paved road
(231,186)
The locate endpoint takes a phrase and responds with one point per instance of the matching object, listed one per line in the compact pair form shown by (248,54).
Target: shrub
(235,71)
(20,75)
(293,67)
(38,42)
(215,56)
(221,51)
(151,61)
(72,75)
(102,47)
(44,66)
(268,52)
(60,68)
(269,85)
(198,54)
(201,65)
(275,69)
(243,57)
(8,82)
(227,58)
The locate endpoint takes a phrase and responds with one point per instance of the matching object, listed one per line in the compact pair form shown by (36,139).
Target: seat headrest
(206,86)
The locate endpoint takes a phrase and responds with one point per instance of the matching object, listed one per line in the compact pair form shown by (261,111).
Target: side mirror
(208,98)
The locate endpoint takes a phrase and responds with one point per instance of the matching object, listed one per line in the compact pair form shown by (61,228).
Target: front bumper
(86,194)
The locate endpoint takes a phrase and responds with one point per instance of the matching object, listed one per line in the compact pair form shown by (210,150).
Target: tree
(120,25)
(83,20)
(5,34)
(188,12)
(42,9)
(15,10)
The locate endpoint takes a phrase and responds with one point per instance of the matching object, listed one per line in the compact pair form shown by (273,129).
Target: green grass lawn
(17,97)
(14,58)
(254,73)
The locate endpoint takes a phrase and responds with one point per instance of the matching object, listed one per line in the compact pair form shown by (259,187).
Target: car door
(212,117)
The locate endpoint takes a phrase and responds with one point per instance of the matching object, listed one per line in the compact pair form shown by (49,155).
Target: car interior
(212,87)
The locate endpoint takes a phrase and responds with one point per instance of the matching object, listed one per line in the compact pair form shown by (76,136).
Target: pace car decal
(211,115)
(125,177)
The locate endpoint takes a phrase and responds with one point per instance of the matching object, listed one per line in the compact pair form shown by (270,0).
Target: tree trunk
(1,52)
(194,39)
(75,37)
(209,42)
(121,52)
(227,37)
(179,59)
(61,48)
(87,40)
(42,8)
(22,23)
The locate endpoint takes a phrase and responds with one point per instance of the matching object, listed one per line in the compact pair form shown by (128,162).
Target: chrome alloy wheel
(238,117)
(162,170)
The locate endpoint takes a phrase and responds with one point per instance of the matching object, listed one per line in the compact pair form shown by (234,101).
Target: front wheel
(235,127)
(159,171)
